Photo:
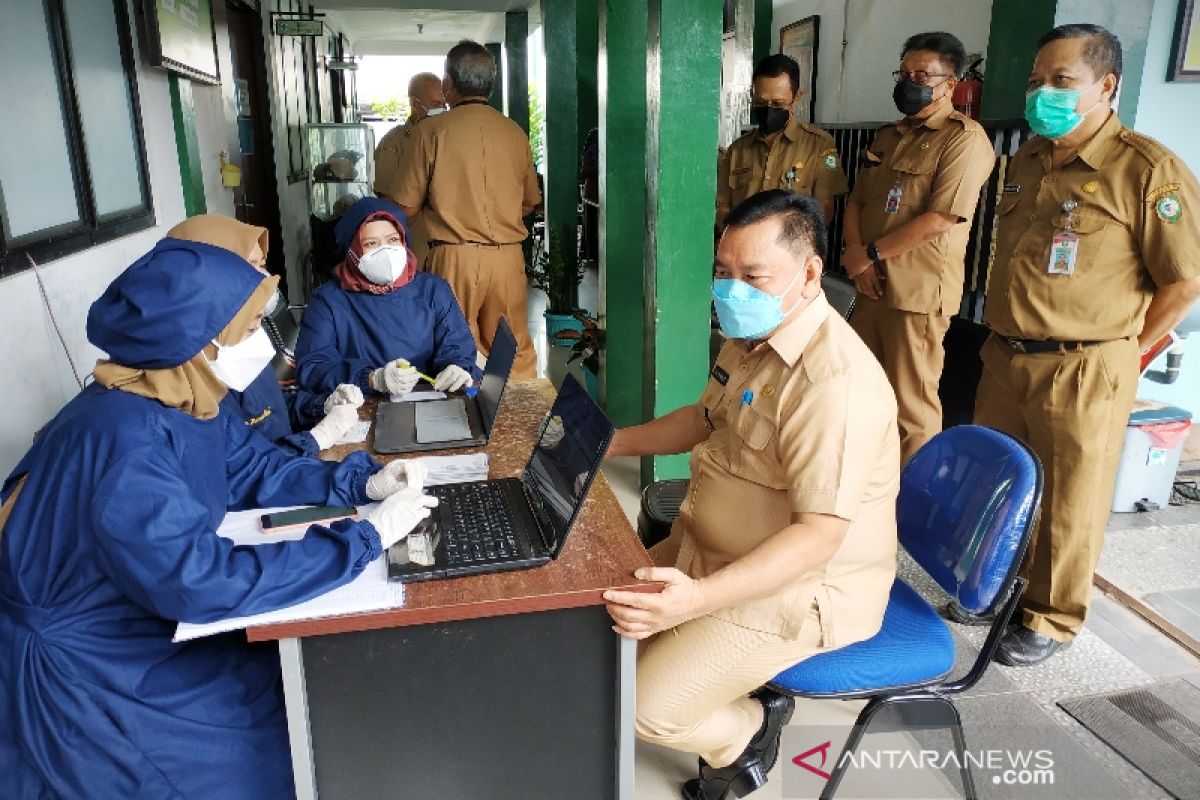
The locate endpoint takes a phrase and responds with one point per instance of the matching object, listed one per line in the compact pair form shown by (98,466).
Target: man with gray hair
(425,99)
(471,180)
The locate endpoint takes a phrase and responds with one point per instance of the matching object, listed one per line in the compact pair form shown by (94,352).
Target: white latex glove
(397,475)
(451,379)
(554,432)
(398,377)
(339,420)
(399,514)
(346,394)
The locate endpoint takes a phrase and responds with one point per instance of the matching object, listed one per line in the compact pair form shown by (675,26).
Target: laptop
(453,422)
(515,523)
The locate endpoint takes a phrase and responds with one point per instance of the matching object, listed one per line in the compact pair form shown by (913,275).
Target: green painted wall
(622,101)
(1016,27)
(684,78)
(763,22)
(183,113)
(586,59)
(496,100)
(516,67)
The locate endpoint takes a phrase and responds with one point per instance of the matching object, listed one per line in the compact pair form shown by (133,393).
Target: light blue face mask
(1051,112)
(746,312)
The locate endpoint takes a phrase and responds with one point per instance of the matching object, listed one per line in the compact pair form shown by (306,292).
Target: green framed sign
(180,38)
(299,27)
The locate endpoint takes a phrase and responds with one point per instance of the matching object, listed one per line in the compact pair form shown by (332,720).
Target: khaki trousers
(693,681)
(909,346)
(489,283)
(1072,410)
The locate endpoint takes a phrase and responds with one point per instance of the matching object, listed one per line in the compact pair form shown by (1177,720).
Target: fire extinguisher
(968,94)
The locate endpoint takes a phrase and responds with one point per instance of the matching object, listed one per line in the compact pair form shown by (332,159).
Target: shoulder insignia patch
(1169,208)
(1170,188)
(829,158)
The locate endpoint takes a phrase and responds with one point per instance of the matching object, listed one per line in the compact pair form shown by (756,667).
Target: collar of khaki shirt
(790,339)
(1094,151)
(934,121)
(791,132)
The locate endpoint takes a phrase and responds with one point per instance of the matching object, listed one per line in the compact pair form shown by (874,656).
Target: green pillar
(516,66)
(683,84)
(764,43)
(622,110)
(586,60)
(183,112)
(496,100)
(1016,27)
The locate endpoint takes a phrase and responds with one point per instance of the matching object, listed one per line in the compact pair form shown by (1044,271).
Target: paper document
(418,396)
(455,469)
(442,422)
(370,591)
(357,433)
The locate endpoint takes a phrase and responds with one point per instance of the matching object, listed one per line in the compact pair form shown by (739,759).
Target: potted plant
(547,270)
(585,344)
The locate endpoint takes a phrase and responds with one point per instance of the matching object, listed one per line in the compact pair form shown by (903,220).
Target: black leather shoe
(738,779)
(777,713)
(956,613)
(1021,647)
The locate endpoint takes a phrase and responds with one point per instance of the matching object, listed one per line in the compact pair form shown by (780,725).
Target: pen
(469,391)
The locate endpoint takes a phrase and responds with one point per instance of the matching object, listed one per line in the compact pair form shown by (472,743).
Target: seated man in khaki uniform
(906,229)
(471,177)
(1097,256)
(783,152)
(786,543)
(425,99)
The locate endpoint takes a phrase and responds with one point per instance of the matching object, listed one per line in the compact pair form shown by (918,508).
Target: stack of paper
(418,395)
(456,469)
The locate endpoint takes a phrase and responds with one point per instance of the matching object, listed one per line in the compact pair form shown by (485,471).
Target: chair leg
(960,751)
(852,742)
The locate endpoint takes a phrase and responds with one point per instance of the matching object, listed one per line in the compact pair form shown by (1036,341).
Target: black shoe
(777,713)
(956,613)
(738,779)
(1021,647)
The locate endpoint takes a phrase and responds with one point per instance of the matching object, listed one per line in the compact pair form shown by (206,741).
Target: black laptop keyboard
(479,528)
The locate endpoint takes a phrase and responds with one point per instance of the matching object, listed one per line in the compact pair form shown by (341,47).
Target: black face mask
(769,120)
(911,97)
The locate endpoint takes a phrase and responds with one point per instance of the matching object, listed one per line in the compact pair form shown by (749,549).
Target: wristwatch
(873,253)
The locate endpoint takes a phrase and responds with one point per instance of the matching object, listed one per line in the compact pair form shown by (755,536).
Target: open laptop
(452,422)
(516,523)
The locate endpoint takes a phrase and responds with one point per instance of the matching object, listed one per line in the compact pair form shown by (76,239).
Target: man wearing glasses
(781,152)
(904,232)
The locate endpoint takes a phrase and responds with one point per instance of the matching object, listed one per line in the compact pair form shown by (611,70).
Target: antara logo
(823,749)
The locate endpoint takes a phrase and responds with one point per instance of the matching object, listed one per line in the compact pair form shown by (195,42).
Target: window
(72,158)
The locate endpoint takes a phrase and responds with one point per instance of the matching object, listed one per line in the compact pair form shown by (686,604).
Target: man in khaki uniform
(425,99)
(471,176)
(1097,256)
(904,229)
(786,543)
(783,153)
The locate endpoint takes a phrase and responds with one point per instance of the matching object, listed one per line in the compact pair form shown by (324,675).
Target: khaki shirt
(1136,219)
(937,164)
(801,159)
(471,171)
(393,149)
(819,436)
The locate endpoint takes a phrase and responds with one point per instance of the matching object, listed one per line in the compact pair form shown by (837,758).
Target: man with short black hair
(782,152)
(471,179)
(785,545)
(1097,257)
(904,229)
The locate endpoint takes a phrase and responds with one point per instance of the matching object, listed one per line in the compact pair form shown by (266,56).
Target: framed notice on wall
(1185,45)
(799,40)
(180,38)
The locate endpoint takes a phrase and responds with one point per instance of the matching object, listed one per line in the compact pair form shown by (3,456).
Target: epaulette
(1153,152)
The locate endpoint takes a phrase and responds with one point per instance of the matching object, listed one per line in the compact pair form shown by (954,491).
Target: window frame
(91,229)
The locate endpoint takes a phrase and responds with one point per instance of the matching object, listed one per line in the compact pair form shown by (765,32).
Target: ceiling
(421,27)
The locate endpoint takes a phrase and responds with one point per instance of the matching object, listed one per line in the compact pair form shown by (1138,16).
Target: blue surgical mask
(1051,112)
(746,312)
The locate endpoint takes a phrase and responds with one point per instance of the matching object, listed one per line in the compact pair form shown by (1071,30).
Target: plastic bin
(1150,458)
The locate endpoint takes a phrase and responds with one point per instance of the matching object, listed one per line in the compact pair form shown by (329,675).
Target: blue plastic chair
(967,507)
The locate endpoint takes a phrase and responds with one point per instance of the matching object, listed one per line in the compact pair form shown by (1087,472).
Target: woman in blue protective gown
(285,419)
(107,539)
(380,321)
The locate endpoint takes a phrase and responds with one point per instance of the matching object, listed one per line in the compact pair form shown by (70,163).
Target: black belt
(436,243)
(1044,345)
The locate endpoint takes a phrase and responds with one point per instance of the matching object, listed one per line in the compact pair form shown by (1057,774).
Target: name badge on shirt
(720,375)
(1064,245)
(892,205)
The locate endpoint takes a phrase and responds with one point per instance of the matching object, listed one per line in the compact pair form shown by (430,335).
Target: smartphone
(303,517)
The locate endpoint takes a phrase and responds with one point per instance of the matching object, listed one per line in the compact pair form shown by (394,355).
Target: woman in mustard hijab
(107,540)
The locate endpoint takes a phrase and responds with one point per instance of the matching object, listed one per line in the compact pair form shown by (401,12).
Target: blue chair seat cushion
(913,648)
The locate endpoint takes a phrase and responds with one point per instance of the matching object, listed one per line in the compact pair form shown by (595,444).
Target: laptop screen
(566,458)
(495,373)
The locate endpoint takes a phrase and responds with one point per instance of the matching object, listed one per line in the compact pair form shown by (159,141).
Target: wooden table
(509,685)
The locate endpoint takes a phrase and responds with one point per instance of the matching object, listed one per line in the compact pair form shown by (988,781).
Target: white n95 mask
(237,365)
(385,264)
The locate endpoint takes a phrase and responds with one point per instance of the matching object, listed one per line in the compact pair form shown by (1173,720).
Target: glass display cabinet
(340,167)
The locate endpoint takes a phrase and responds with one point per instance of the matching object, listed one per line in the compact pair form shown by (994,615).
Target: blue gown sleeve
(452,340)
(320,365)
(300,444)
(155,541)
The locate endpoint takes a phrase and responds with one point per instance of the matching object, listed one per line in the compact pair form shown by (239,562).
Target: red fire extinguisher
(968,94)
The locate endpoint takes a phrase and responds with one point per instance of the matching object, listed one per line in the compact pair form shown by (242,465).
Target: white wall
(216,121)
(856,86)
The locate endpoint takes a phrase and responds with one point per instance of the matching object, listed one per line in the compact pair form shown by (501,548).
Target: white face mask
(433,112)
(237,365)
(385,264)
(274,303)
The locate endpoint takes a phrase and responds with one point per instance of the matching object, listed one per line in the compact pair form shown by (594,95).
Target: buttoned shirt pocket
(740,178)
(914,176)
(1007,203)
(755,447)
(1092,226)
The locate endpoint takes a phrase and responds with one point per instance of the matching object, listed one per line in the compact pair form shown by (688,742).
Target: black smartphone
(303,517)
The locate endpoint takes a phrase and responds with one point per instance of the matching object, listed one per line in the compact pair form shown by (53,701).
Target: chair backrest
(840,292)
(283,329)
(967,506)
